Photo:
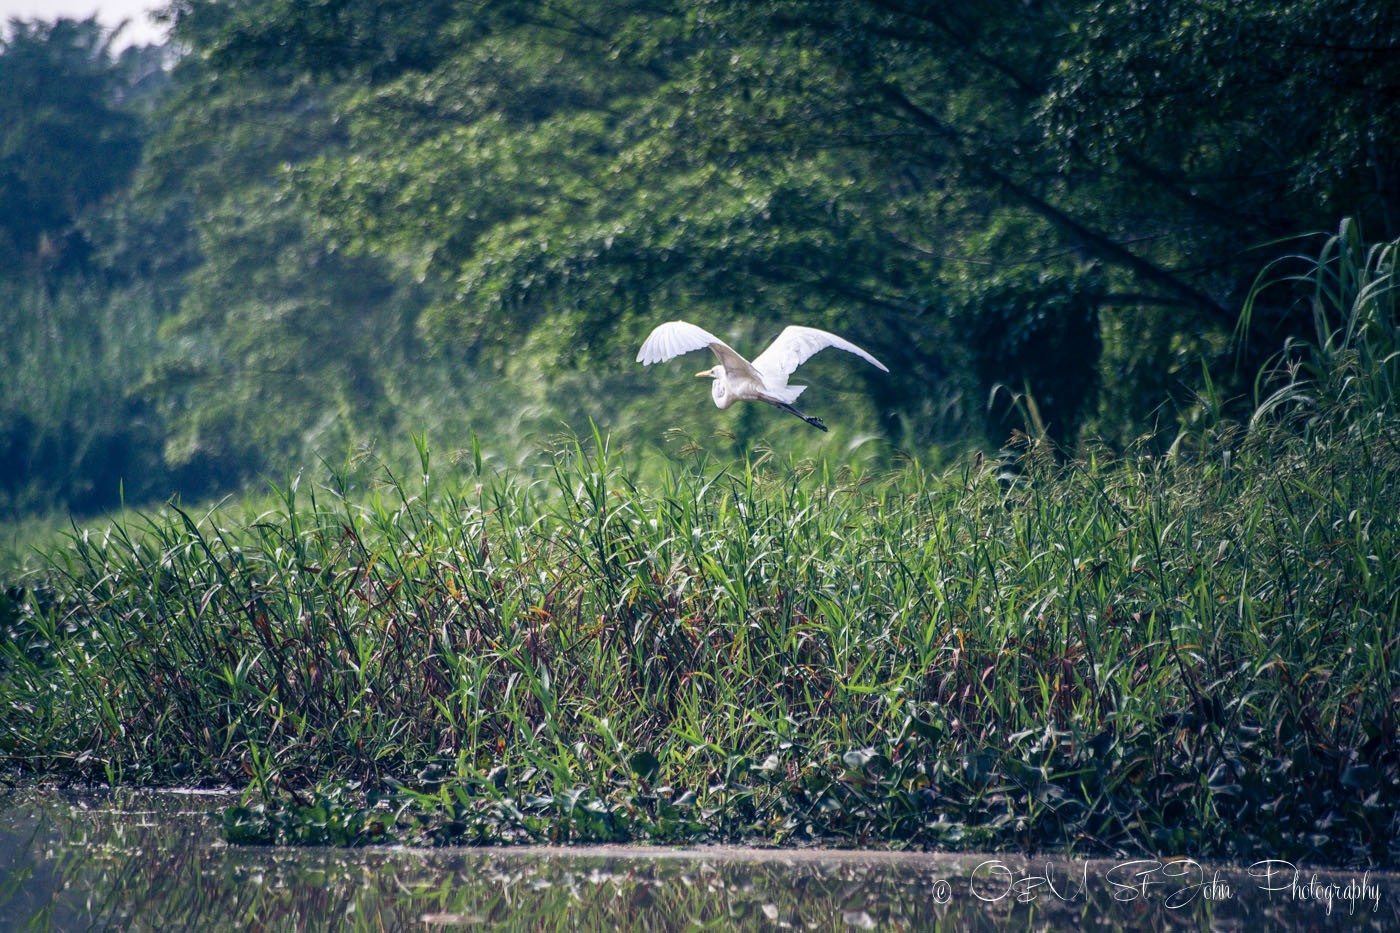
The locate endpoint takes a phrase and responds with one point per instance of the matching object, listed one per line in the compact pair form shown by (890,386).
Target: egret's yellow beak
(707,374)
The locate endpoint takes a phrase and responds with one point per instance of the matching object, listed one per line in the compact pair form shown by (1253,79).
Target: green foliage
(1188,655)
(307,347)
(1023,335)
(362,219)
(66,142)
(70,434)
(1351,360)
(341,37)
(79,321)
(1153,88)
(1185,654)
(567,175)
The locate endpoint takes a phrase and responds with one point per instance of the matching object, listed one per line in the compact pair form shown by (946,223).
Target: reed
(1135,653)
(1194,653)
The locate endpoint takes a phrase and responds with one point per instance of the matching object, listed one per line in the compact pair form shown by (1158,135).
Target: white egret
(738,380)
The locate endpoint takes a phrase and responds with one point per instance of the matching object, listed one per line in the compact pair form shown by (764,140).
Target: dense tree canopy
(78,327)
(998,176)
(66,141)
(366,208)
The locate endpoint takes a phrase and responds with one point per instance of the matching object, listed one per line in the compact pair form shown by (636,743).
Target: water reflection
(156,862)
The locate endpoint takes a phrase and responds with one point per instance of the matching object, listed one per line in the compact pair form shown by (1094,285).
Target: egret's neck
(719,388)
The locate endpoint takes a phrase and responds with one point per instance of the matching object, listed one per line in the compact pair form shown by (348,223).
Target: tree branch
(1092,241)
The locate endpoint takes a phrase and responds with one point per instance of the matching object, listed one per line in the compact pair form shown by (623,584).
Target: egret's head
(714,372)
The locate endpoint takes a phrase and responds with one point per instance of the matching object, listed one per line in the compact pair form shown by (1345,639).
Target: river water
(156,862)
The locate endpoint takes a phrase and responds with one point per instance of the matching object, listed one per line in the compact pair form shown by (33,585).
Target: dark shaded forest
(303,230)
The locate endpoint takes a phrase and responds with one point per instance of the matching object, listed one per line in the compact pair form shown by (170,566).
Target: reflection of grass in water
(113,868)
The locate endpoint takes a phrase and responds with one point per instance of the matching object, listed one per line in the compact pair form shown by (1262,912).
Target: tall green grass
(1350,364)
(1186,654)
(70,430)
(1110,653)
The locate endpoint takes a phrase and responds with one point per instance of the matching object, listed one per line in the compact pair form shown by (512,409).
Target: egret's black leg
(810,419)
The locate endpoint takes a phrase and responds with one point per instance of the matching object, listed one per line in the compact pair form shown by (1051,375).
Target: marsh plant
(1193,653)
(1351,358)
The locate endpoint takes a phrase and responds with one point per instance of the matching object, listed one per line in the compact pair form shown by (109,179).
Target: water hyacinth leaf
(932,731)
(645,765)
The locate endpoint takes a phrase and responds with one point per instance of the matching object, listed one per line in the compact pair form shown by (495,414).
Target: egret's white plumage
(738,380)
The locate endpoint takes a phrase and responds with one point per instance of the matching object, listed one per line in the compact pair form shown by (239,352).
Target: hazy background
(302,232)
(139,30)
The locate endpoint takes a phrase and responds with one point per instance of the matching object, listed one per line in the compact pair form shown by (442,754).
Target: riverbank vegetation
(1193,652)
(1106,563)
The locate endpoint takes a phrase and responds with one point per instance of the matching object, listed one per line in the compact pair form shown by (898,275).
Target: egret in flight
(738,380)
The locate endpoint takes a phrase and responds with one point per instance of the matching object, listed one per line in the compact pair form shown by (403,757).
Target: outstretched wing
(796,345)
(673,338)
